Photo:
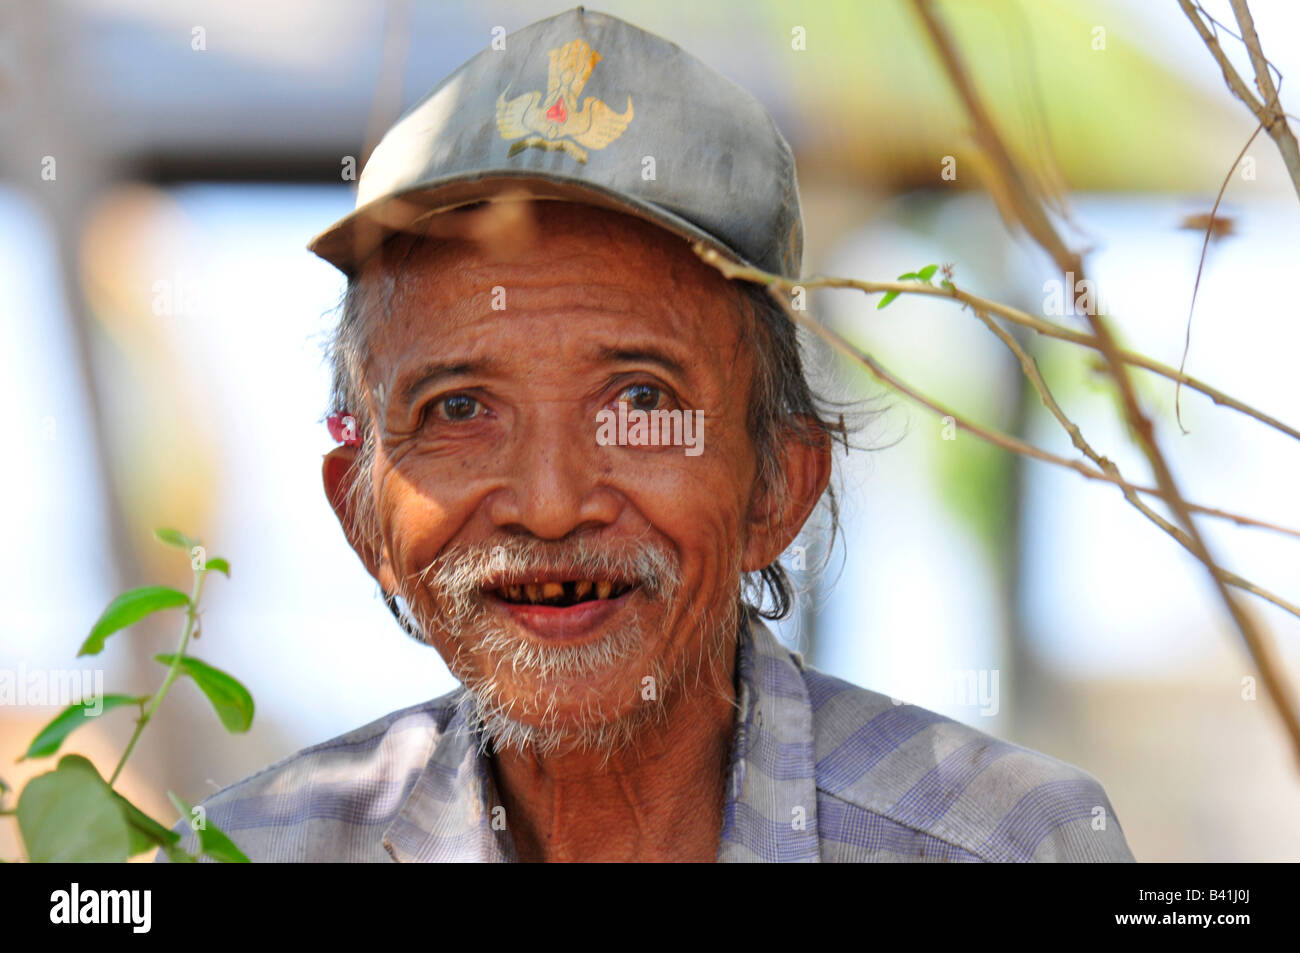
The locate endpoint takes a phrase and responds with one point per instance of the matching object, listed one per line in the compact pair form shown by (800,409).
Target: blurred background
(164,164)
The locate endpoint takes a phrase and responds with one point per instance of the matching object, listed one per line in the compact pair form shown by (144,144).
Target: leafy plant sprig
(924,275)
(72,813)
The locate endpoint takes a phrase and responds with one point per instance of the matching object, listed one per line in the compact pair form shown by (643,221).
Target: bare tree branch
(1034,218)
(1031,371)
(1271,116)
(1276,123)
(1108,472)
(1015,316)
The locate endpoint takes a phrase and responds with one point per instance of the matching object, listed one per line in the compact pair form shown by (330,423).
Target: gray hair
(783,405)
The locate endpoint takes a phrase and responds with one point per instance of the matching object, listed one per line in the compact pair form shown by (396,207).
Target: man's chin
(531,692)
(562,715)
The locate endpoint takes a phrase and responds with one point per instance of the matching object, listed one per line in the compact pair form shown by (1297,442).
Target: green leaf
(219,847)
(143,831)
(72,718)
(927,272)
(948,284)
(212,840)
(71,814)
(174,538)
(907,275)
(220,565)
(232,701)
(129,608)
(889,296)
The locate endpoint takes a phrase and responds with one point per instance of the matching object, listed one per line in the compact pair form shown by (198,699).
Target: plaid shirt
(820,770)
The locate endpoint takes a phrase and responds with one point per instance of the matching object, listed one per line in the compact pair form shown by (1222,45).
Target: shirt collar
(771,810)
(453,812)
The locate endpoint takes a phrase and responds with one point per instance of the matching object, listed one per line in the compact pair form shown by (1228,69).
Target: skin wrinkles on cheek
(404,549)
(619,466)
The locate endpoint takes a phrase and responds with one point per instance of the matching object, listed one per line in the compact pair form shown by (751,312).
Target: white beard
(485,645)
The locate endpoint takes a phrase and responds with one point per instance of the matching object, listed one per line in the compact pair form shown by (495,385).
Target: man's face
(573,585)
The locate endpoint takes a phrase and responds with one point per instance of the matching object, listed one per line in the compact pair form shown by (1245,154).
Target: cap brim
(352,239)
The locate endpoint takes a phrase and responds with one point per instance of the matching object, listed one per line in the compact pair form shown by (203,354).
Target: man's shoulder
(332,800)
(404,733)
(897,780)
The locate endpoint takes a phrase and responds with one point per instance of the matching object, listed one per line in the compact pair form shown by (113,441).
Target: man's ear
(338,473)
(774,523)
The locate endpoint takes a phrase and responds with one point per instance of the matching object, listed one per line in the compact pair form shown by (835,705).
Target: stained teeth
(562,593)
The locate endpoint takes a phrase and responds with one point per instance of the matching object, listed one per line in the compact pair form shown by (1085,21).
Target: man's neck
(661,798)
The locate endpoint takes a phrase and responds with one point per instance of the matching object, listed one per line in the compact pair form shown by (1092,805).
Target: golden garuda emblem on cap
(555,122)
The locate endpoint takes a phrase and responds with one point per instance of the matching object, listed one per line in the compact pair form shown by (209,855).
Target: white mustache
(458,577)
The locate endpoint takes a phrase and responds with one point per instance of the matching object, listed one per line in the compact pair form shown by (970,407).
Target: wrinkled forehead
(497,255)
(511,237)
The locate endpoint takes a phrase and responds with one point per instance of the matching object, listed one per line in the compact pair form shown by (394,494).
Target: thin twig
(1205,247)
(1005,441)
(1276,123)
(1272,116)
(1030,368)
(776,282)
(1015,316)
(1230,74)
(1217,25)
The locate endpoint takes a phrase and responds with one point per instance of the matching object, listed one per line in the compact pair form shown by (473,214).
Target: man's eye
(457,407)
(642,396)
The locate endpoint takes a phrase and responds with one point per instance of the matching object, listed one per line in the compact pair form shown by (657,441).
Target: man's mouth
(560,593)
(559,609)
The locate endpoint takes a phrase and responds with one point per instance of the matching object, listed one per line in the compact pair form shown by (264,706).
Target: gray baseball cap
(583,107)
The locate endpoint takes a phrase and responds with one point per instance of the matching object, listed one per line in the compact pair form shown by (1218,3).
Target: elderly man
(572,453)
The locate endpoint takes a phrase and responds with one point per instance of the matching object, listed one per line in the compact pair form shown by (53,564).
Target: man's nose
(555,477)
